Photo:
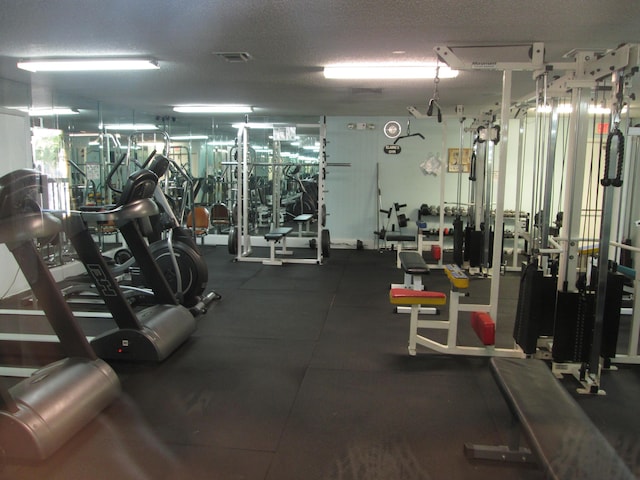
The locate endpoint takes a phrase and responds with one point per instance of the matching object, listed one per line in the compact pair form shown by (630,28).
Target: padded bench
(561,437)
(274,236)
(303,220)
(399,239)
(414,267)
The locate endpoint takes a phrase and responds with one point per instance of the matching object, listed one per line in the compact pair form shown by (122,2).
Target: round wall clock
(392,129)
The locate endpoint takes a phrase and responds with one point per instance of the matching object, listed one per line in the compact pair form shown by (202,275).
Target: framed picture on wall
(455,164)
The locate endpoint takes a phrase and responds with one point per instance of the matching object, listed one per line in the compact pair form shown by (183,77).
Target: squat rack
(240,239)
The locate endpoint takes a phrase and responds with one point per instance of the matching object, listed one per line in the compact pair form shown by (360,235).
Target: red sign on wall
(602,128)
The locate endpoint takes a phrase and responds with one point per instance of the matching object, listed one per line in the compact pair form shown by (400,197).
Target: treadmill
(42,412)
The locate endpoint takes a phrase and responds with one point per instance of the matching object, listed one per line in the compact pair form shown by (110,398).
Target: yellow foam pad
(456,276)
(407,296)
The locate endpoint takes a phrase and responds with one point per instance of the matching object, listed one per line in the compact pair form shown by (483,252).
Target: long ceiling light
(87,64)
(220,108)
(47,111)
(129,126)
(188,137)
(388,71)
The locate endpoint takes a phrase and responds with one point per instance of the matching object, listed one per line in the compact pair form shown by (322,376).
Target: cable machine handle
(617,180)
(472,168)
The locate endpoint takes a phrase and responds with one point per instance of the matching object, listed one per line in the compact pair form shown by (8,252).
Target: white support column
(573,188)
(244,234)
(502,169)
(516,226)
(442,191)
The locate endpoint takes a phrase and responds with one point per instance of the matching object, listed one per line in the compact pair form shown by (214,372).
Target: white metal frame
(451,326)
(244,246)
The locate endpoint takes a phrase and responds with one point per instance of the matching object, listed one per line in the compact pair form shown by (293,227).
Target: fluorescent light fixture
(47,111)
(87,64)
(189,137)
(591,110)
(257,126)
(221,108)
(222,143)
(388,71)
(130,126)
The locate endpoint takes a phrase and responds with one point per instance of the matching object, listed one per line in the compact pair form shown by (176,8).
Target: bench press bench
(301,220)
(273,237)
(414,267)
(561,437)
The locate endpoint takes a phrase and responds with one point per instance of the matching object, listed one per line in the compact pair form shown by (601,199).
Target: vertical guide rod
(603,268)
(611,178)
(573,178)
(502,170)
(516,230)
(545,213)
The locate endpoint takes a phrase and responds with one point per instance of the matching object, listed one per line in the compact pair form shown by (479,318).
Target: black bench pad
(400,237)
(566,442)
(413,263)
(277,234)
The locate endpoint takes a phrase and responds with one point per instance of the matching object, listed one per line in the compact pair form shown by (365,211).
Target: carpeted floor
(301,372)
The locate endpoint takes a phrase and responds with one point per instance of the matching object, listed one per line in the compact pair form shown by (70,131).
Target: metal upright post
(545,214)
(502,168)
(573,187)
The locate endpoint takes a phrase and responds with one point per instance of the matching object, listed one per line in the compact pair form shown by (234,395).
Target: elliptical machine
(153,333)
(173,246)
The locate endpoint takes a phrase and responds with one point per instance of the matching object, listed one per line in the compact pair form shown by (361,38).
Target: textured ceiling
(290,41)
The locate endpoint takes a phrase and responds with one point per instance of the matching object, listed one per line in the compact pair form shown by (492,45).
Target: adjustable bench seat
(414,267)
(561,437)
(408,296)
(277,234)
(399,239)
(274,236)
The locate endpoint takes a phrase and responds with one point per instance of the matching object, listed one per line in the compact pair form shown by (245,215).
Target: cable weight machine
(584,333)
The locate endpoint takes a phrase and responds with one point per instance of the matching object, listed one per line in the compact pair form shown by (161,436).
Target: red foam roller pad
(484,326)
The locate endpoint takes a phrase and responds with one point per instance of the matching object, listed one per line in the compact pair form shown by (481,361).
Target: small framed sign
(455,164)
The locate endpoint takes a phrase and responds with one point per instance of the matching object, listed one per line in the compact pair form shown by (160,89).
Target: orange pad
(484,326)
(407,296)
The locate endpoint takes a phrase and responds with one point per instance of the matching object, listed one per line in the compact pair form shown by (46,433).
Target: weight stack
(575,318)
(536,307)
(573,327)
(458,241)
(475,246)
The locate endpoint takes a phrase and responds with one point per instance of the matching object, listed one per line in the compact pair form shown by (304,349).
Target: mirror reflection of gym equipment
(281,196)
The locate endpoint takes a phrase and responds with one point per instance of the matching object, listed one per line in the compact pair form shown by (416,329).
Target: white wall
(16,153)
(352,199)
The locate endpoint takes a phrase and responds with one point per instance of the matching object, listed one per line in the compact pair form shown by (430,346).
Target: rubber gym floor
(302,372)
